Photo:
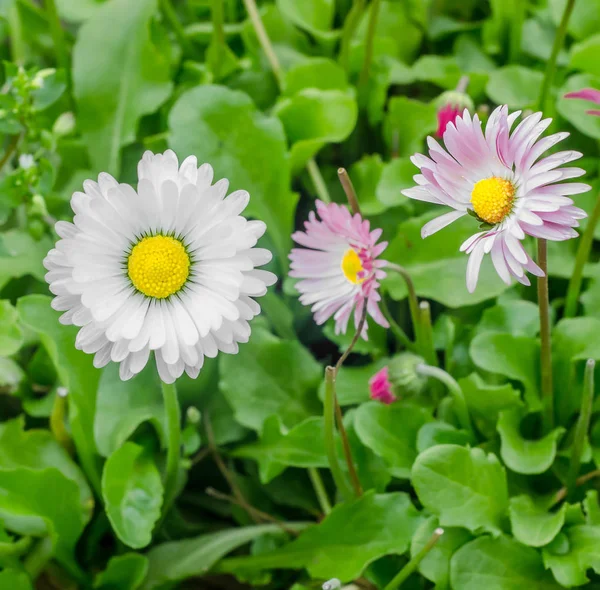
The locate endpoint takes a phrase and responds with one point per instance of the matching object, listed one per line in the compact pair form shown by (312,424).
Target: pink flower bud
(380,387)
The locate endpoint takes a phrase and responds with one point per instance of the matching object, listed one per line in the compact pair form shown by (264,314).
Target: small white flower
(26,161)
(168,268)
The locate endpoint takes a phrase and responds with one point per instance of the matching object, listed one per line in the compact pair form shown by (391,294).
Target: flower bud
(403,375)
(380,387)
(450,105)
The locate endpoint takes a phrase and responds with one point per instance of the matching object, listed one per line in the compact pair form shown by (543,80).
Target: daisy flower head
(169,268)
(500,178)
(338,266)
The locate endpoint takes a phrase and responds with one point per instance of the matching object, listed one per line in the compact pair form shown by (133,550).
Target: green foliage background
(131,75)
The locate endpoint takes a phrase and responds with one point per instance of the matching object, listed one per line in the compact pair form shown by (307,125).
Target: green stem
(366,67)
(413,564)
(547,391)
(398,332)
(58,39)
(583,424)
(427,344)
(38,558)
(551,65)
(219,34)
(263,39)
(341,483)
(320,490)
(171,16)
(318,182)
(349,190)
(413,302)
(460,404)
(583,254)
(349,28)
(517,9)
(57,422)
(171,403)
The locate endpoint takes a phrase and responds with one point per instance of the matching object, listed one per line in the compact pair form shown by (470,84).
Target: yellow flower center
(493,199)
(351,266)
(158,266)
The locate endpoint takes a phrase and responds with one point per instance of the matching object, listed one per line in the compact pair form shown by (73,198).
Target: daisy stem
(350,24)
(219,34)
(583,424)
(318,181)
(329,404)
(57,423)
(557,46)
(460,403)
(173,413)
(413,564)
(399,333)
(320,490)
(413,302)
(428,347)
(171,16)
(583,254)
(263,39)
(349,190)
(364,73)
(545,337)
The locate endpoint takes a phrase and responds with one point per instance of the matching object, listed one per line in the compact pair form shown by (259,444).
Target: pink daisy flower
(380,387)
(338,266)
(499,178)
(587,94)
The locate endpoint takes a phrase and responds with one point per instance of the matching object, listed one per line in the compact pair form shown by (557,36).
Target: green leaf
(11,335)
(365,175)
(11,374)
(123,405)
(499,564)
(78,10)
(512,316)
(523,455)
(436,564)
(583,553)
(584,55)
(38,450)
(585,18)
(318,72)
(436,265)
(395,177)
(43,503)
(260,381)
(25,256)
(441,433)
(303,446)
(390,431)
(533,525)
(123,572)
(311,15)
(223,127)
(515,86)
(464,487)
(441,70)
(75,370)
(15,580)
(575,111)
(178,560)
(486,401)
(515,357)
(133,494)
(407,123)
(338,548)
(111,100)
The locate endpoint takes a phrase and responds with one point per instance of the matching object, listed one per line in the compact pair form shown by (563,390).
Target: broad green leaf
(123,405)
(390,431)
(584,55)
(538,38)
(515,86)
(575,110)
(436,265)
(303,446)
(366,175)
(75,370)
(11,373)
(318,72)
(463,487)
(125,572)
(24,258)
(223,127)
(407,123)
(78,10)
(11,334)
(395,177)
(43,503)
(178,560)
(515,357)
(533,525)
(486,401)
(582,553)
(261,381)
(585,18)
(311,15)
(111,100)
(441,70)
(133,494)
(499,564)
(337,547)
(524,455)
(516,317)
(436,564)
(37,449)
(15,580)
(440,433)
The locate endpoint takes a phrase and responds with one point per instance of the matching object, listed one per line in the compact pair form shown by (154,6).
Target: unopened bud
(403,375)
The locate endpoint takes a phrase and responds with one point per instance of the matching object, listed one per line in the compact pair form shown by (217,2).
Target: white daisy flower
(168,268)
